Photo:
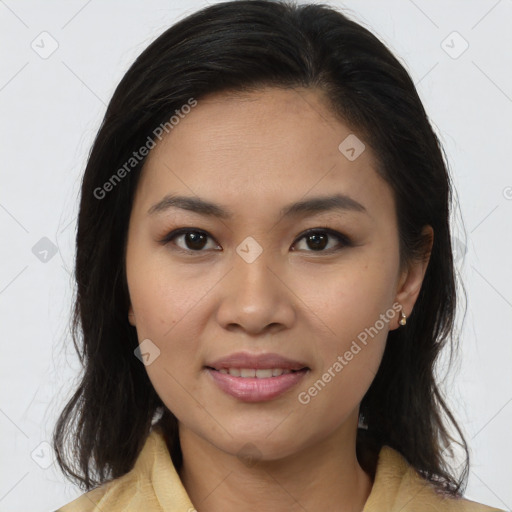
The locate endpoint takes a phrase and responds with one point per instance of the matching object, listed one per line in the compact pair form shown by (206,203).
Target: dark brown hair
(242,46)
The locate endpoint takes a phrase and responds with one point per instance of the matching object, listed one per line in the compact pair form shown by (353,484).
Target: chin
(258,449)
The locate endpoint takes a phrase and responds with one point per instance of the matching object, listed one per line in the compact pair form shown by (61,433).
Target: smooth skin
(306,299)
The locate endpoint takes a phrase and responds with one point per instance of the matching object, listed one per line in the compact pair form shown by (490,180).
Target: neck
(323,476)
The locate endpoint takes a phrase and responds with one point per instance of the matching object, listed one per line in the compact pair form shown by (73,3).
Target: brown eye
(194,240)
(191,240)
(318,240)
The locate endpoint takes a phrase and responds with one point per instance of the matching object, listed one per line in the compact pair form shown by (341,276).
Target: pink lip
(253,389)
(257,361)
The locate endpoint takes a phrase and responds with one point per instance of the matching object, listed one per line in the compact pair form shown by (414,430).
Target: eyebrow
(308,206)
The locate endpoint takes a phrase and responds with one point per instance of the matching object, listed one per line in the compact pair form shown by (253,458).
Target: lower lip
(252,389)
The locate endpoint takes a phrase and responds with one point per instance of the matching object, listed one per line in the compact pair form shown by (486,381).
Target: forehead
(259,149)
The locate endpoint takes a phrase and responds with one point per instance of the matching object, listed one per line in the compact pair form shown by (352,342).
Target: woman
(264,277)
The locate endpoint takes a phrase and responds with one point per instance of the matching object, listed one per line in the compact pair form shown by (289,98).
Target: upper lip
(257,361)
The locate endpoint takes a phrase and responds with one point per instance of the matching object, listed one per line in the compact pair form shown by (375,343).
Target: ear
(411,279)
(131,315)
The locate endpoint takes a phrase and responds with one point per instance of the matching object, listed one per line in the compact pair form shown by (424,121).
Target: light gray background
(51,110)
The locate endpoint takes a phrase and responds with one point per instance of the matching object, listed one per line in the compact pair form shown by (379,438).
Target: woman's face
(255,332)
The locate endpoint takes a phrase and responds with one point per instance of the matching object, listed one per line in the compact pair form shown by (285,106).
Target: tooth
(263,374)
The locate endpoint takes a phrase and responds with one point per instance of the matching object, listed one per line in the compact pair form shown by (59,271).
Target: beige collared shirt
(153,485)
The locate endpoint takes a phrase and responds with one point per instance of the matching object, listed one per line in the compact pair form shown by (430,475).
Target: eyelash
(343,239)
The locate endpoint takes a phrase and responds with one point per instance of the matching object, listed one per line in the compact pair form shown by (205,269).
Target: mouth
(256,377)
(247,363)
(258,373)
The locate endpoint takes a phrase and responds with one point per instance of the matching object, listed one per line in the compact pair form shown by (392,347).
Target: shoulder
(152,485)
(399,487)
(121,491)
(87,502)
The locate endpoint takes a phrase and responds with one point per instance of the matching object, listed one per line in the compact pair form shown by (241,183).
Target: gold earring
(403,318)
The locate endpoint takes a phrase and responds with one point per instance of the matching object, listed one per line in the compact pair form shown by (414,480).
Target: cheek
(347,367)
(350,297)
(166,302)
(168,315)
(353,307)
(163,294)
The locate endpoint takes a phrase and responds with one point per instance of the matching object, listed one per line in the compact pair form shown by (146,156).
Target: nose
(255,298)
